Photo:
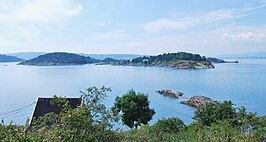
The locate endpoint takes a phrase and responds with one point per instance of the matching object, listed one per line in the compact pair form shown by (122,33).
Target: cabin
(43,106)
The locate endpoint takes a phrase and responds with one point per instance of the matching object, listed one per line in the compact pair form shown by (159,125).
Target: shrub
(170,125)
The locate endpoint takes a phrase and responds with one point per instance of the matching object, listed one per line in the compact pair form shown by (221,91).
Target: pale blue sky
(208,27)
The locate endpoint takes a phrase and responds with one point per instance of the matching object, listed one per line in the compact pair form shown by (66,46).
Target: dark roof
(43,106)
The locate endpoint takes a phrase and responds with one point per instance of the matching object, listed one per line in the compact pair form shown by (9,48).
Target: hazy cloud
(38,10)
(182,24)
(202,19)
(248,36)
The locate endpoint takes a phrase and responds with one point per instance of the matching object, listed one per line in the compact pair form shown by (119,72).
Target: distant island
(30,55)
(180,60)
(7,58)
(59,59)
(216,60)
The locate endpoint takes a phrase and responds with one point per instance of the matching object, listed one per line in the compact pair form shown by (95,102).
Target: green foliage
(171,57)
(135,109)
(90,122)
(148,134)
(170,125)
(213,112)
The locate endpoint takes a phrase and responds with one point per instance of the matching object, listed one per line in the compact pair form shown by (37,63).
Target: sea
(243,83)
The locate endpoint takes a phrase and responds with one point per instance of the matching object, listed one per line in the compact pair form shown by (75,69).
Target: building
(43,106)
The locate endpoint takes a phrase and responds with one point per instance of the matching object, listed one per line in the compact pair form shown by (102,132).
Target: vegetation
(172,57)
(213,112)
(6,58)
(180,60)
(135,109)
(92,121)
(59,58)
(215,60)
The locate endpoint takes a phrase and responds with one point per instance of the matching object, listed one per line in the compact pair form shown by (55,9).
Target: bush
(170,125)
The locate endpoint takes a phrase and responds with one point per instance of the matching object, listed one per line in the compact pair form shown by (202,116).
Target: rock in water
(170,93)
(198,101)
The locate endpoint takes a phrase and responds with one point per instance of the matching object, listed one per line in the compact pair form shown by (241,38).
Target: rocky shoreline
(174,65)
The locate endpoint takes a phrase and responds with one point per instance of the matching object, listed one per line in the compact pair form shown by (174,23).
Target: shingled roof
(43,106)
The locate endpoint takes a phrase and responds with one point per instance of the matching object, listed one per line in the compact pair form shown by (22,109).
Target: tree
(213,112)
(135,109)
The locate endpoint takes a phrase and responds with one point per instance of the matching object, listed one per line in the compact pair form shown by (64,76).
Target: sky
(208,27)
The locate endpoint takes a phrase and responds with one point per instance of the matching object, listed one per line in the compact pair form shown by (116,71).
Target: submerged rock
(198,101)
(170,93)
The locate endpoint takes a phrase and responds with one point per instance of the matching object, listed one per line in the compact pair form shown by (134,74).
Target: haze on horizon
(133,26)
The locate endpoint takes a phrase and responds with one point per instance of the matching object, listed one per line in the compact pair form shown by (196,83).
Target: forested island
(7,58)
(180,60)
(59,59)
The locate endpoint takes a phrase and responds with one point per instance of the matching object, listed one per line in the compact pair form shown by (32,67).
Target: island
(216,60)
(180,60)
(7,58)
(59,59)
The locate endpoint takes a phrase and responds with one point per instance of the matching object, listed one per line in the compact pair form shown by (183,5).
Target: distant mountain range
(113,56)
(26,55)
(30,55)
(7,58)
(255,55)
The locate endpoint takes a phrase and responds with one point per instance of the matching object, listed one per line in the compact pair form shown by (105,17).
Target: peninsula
(7,58)
(180,60)
(216,60)
(59,59)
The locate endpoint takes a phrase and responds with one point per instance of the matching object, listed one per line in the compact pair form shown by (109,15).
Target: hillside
(6,58)
(59,59)
(180,60)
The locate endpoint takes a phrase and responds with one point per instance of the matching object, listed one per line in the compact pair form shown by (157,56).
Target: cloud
(182,24)
(210,17)
(263,1)
(247,36)
(38,10)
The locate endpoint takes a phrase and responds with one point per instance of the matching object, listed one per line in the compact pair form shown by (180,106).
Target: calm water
(243,83)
